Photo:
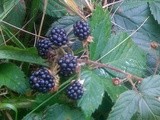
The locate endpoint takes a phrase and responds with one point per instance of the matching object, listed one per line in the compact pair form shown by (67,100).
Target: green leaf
(132,14)
(149,108)
(54,8)
(17,14)
(155,9)
(151,86)
(33,116)
(125,107)
(61,112)
(94,91)
(25,55)
(101,30)
(112,90)
(124,54)
(12,77)
(7,6)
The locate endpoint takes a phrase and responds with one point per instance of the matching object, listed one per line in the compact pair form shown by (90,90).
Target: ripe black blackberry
(67,64)
(81,30)
(41,80)
(75,90)
(58,37)
(43,46)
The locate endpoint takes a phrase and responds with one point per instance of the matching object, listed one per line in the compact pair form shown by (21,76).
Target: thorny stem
(157,65)
(130,80)
(100,65)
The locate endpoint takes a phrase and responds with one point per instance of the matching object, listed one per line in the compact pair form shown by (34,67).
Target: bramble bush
(79,60)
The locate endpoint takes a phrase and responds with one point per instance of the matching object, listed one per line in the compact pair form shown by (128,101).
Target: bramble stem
(100,65)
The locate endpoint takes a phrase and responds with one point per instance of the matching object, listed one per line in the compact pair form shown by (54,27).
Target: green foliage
(112,90)
(94,91)
(61,112)
(149,108)
(6,7)
(54,8)
(12,37)
(130,15)
(12,77)
(33,116)
(125,106)
(17,14)
(143,101)
(155,8)
(123,35)
(101,30)
(26,55)
(150,86)
(123,53)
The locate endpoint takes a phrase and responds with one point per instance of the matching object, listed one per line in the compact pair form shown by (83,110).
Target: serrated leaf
(61,112)
(54,8)
(150,86)
(17,14)
(100,30)
(94,91)
(12,77)
(132,14)
(112,90)
(149,108)
(124,54)
(125,107)
(26,55)
(155,9)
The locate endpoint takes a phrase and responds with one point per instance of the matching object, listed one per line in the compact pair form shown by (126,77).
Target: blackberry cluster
(75,90)
(43,46)
(81,30)
(67,64)
(58,37)
(41,80)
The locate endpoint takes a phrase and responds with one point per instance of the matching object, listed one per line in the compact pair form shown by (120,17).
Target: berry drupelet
(58,37)
(67,64)
(75,90)
(43,46)
(81,30)
(41,80)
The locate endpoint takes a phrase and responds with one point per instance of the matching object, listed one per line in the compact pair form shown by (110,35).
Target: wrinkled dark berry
(41,80)
(67,64)
(58,37)
(43,46)
(81,30)
(75,90)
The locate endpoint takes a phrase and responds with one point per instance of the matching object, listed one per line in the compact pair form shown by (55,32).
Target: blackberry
(81,30)
(58,37)
(43,46)
(67,64)
(75,90)
(41,80)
